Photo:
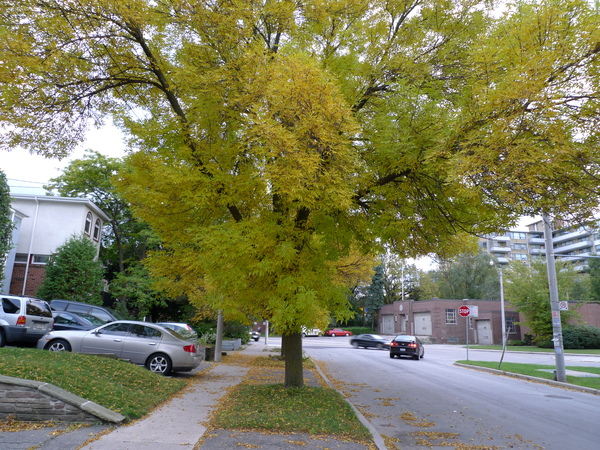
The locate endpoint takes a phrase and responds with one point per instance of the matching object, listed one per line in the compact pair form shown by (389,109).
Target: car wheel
(58,345)
(159,363)
(303,335)
(355,344)
(423,355)
(392,355)
(347,334)
(332,334)
(379,346)
(2,338)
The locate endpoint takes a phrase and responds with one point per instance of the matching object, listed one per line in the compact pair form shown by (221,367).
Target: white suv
(23,319)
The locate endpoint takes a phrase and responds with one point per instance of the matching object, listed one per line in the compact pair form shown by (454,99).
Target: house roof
(50,199)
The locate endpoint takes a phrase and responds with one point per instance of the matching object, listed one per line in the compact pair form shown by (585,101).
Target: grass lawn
(117,385)
(262,403)
(537,370)
(259,403)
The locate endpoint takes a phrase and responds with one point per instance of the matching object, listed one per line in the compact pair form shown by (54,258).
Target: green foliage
(73,273)
(117,385)
(581,337)
(469,275)
(594,271)
(6,224)
(134,289)
(271,140)
(399,277)
(526,288)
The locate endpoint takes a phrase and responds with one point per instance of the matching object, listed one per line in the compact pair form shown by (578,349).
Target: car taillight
(412,345)
(21,321)
(393,344)
(190,348)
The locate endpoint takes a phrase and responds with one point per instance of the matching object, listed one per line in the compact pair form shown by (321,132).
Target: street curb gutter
(377,439)
(530,378)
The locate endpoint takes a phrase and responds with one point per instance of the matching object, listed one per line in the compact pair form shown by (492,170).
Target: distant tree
(594,271)
(134,289)
(375,294)
(6,224)
(526,288)
(399,277)
(92,177)
(73,273)
(427,287)
(469,275)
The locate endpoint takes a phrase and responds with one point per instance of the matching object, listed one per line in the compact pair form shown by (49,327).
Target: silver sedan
(157,348)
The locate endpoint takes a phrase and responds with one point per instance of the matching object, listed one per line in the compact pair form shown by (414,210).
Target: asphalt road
(433,404)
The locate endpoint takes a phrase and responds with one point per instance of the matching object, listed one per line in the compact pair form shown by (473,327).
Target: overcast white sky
(27,173)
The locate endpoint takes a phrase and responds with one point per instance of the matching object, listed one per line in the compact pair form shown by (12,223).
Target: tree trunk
(294,374)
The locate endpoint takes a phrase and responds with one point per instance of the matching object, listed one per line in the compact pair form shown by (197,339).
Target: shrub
(581,337)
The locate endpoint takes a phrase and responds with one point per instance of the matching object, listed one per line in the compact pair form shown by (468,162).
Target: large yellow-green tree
(274,141)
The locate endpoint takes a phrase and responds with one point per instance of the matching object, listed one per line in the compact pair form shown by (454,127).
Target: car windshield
(376,336)
(405,338)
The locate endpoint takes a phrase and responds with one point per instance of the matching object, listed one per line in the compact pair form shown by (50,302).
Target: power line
(26,181)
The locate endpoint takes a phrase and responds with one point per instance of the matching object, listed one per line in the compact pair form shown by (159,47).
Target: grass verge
(261,403)
(117,385)
(542,371)
(531,348)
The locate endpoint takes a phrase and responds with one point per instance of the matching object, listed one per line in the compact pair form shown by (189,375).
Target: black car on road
(369,340)
(406,345)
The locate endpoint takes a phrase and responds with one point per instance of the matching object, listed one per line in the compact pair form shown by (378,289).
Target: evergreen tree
(73,273)
(6,225)
(375,294)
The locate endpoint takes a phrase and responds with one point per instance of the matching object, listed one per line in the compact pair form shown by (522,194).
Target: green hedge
(581,337)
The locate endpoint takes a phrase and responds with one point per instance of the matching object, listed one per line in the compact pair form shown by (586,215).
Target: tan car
(157,348)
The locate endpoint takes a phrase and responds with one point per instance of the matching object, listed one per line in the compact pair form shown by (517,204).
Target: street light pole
(553,286)
(502,315)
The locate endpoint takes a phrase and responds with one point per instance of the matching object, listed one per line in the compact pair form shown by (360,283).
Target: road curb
(530,378)
(377,438)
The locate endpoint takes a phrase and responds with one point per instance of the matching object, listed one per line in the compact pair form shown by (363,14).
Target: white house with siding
(42,224)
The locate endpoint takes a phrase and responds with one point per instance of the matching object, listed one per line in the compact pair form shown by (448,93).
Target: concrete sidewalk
(181,422)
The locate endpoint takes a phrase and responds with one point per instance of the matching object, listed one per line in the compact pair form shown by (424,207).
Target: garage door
(422,324)
(484,332)
(387,324)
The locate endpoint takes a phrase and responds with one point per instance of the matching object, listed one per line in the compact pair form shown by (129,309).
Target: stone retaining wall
(34,401)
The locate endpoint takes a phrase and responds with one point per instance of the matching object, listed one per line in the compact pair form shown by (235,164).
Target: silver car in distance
(157,348)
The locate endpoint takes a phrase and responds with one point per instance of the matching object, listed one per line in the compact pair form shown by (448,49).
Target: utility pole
(557,337)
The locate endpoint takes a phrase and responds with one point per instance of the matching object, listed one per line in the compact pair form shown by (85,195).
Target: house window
(88,223)
(41,259)
(21,258)
(510,325)
(450,316)
(97,230)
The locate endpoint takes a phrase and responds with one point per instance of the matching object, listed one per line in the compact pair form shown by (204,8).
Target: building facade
(437,321)
(572,243)
(42,224)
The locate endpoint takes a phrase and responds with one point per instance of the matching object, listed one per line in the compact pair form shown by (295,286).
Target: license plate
(39,326)
(402,349)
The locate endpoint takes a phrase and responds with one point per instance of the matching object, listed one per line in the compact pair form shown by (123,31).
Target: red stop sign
(464,311)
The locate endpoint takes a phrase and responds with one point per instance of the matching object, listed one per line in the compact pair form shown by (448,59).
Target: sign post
(465,312)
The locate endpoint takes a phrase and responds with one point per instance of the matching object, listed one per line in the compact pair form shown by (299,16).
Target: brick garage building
(437,321)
